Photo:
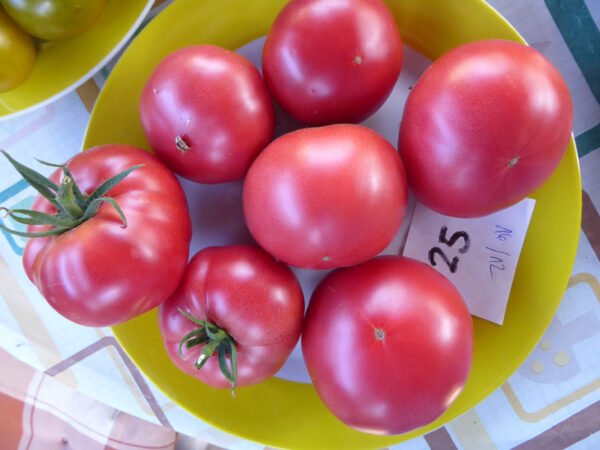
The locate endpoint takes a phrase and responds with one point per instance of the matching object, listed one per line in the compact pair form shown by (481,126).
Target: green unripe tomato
(17,53)
(54,19)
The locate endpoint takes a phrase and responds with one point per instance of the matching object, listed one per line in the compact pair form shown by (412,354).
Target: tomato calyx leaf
(214,339)
(72,206)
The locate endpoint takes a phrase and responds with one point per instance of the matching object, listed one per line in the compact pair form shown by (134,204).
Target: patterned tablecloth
(61,384)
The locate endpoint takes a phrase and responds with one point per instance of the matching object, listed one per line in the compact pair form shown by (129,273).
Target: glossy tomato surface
(388,344)
(17,53)
(207,113)
(54,19)
(255,299)
(326,197)
(485,126)
(101,273)
(332,61)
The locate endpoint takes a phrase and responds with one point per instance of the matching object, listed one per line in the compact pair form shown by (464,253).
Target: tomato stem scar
(181,145)
(513,161)
(379,334)
(213,339)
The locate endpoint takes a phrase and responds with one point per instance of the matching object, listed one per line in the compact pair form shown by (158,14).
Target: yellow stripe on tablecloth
(587,278)
(551,408)
(536,416)
(31,325)
(471,433)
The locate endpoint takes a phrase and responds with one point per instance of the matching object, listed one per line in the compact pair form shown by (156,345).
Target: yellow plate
(62,66)
(286,414)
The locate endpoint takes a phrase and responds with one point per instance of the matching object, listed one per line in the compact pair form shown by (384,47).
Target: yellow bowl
(61,66)
(286,414)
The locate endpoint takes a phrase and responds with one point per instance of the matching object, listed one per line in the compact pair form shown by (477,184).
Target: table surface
(75,385)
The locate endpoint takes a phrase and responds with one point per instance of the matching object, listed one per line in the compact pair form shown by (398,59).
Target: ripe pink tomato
(206,112)
(485,126)
(332,61)
(100,272)
(388,344)
(326,197)
(251,301)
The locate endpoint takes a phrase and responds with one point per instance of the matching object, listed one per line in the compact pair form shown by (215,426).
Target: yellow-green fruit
(54,19)
(17,53)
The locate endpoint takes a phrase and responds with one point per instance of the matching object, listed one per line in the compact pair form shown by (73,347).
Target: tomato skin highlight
(216,103)
(254,298)
(326,197)
(99,273)
(388,344)
(332,61)
(484,127)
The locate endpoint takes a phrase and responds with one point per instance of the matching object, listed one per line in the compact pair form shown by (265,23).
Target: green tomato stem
(66,198)
(214,339)
(72,206)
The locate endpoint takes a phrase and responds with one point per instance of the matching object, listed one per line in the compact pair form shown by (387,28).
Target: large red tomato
(486,124)
(326,197)
(103,272)
(254,308)
(332,61)
(388,344)
(207,113)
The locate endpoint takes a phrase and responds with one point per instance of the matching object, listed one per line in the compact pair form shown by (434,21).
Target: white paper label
(478,255)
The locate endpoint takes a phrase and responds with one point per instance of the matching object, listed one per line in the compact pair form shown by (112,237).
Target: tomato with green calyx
(110,234)
(54,19)
(17,53)
(235,318)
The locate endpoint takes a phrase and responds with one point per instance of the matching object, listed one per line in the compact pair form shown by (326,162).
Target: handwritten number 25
(452,264)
